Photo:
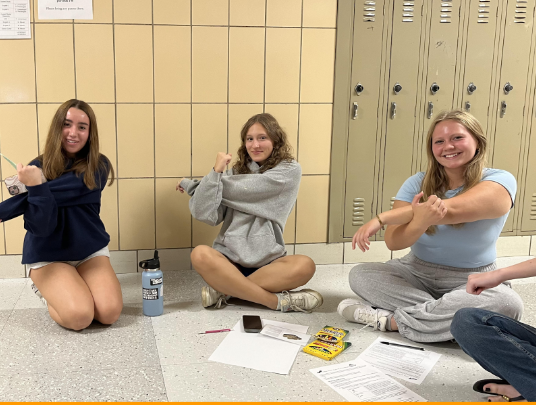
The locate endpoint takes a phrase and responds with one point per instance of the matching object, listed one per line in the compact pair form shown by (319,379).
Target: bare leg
(101,280)
(69,300)
(282,274)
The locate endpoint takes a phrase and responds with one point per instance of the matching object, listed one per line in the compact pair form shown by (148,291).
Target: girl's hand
(429,212)
(178,187)
(478,282)
(29,175)
(222,160)
(361,237)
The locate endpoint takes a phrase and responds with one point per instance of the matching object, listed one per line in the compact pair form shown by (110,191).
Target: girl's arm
(478,282)
(486,200)
(205,204)
(41,214)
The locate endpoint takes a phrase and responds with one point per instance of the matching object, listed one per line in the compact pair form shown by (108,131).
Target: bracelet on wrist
(382,225)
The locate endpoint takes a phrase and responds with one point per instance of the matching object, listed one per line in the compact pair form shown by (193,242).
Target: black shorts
(246,271)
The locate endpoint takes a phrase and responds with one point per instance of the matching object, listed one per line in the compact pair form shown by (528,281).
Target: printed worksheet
(15,19)
(405,363)
(358,381)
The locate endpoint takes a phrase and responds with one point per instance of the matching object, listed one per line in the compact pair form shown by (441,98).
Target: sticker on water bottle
(156,281)
(150,293)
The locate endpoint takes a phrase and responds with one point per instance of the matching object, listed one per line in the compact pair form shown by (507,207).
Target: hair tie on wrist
(380,221)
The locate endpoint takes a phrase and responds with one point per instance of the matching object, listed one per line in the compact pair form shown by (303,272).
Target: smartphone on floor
(252,323)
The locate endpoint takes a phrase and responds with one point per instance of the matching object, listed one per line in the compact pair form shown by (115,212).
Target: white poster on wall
(65,9)
(15,19)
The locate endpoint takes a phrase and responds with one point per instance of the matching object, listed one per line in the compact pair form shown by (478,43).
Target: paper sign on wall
(15,19)
(65,9)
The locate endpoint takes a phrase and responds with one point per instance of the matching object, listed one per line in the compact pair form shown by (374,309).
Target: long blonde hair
(436,180)
(282,150)
(87,161)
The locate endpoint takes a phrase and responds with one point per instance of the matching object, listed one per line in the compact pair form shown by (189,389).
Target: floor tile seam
(20,294)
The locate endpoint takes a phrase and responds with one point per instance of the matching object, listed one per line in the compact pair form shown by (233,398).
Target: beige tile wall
(172,82)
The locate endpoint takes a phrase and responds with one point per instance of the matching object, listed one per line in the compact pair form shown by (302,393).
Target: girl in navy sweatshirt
(66,245)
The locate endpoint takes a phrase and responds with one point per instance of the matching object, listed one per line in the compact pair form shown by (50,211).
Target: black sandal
(479,387)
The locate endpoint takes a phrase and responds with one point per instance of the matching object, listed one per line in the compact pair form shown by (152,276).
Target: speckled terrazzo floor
(164,359)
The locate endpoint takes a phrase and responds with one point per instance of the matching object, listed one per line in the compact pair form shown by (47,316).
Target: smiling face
(453,146)
(258,144)
(75,131)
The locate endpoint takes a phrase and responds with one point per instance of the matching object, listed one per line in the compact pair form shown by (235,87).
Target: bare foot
(502,389)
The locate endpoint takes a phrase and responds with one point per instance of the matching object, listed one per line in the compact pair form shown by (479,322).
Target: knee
(77,317)
(358,277)
(110,312)
(464,321)
(509,303)
(200,257)
(304,267)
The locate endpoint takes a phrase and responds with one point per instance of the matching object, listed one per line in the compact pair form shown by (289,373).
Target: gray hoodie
(253,207)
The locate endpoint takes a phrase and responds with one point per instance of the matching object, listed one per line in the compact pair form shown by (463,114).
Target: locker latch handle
(430,109)
(354,108)
(393,110)
(503,108)
(467,106)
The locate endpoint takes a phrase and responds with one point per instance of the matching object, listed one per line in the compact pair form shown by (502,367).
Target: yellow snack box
(331,334)
(326,350)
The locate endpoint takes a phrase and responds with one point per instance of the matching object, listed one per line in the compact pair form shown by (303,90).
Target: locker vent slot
(445,17)
(408,10)
(521,12)
(369,11)
(358,211)
(533,208)
(483,12)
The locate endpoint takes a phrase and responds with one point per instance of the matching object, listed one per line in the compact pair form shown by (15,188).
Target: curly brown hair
(282,151)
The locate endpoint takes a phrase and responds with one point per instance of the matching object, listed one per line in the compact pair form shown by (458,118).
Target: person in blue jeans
(501,345)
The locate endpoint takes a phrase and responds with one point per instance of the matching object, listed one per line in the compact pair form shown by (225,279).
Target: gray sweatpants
(425,296)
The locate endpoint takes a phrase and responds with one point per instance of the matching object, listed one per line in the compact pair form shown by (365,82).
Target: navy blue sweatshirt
(61,217)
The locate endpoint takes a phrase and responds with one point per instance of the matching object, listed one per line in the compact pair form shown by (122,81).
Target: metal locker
(480,54)
(367,73)
(399,141)
(511,92)
(440,61)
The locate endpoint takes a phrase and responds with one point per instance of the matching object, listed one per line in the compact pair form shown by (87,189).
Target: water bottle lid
(151,264)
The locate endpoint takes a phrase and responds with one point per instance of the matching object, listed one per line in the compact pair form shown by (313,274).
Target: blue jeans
(501,345)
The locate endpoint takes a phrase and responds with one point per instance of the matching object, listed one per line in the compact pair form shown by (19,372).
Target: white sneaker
(360,311)
(38,293)
(209,297)
(304,300)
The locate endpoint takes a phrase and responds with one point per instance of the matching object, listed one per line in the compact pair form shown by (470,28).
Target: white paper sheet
(66,9)
(358,381)
(15,19)
(256,351)
(286,335)
(407,364)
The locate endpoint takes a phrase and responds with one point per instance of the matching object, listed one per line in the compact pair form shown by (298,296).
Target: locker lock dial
(397,88)
(358,88)
(471,88)
(434,88)
(508,88)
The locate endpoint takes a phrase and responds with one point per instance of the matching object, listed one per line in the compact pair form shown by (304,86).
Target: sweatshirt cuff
(214,176)
(184,183)
(41,190)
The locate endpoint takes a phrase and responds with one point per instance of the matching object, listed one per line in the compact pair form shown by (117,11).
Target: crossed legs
(76,296)
(260,287)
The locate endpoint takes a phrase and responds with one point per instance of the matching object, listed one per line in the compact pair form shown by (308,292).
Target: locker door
(512,91)
(479,58)
(364,103)
(405,68)
(441,65)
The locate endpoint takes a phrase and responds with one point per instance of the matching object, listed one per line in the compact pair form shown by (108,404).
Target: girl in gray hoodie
(253,200)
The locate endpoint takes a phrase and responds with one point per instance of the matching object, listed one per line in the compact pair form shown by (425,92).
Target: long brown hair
(87,161)
(282,151)
(436,180)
